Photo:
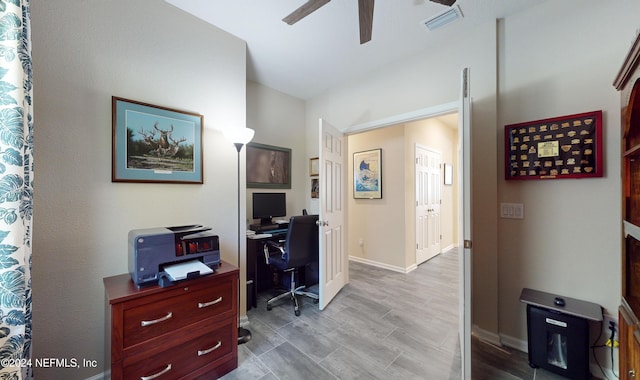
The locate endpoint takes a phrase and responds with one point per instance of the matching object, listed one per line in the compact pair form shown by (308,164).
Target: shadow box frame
(568,146)
(134,127)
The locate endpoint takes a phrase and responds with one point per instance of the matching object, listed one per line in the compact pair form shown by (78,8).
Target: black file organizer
(558,332)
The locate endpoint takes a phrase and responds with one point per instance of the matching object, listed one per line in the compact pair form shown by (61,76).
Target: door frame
(416,180)
(466,271)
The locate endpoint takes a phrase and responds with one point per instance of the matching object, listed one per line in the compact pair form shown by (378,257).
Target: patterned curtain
(16,188)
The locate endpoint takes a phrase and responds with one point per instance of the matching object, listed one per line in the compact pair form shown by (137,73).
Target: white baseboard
(515,343)
(450,246)
(383,265)
(101,376)
(523,346)
(487,336)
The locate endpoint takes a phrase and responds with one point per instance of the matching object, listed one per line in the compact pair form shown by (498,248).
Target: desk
(258,272)
(260,276)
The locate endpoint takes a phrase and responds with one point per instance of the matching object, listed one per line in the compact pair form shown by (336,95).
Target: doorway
(459,218)
(393,232)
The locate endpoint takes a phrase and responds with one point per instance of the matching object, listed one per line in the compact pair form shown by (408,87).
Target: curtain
(16,188)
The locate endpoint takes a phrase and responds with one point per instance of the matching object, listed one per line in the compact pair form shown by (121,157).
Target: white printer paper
(179,271)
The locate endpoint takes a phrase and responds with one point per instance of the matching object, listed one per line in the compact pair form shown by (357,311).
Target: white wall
(278,120)
(380,223)
(84,52)
(569,242)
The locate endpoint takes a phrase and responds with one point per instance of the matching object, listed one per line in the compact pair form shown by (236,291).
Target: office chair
(299,249)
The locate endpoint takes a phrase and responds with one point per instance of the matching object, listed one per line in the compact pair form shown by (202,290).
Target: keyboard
(259,236)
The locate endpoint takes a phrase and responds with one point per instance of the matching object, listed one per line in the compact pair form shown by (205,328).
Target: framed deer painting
(155,144)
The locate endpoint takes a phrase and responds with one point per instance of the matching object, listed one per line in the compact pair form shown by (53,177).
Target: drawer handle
(204,352)
(150,377)
(205,304)
(148,323)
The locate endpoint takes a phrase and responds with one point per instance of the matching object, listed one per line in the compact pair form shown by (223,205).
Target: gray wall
(84,52)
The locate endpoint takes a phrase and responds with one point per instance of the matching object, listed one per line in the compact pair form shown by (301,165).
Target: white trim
(101,376)
(244,321)
(423,113)
(447,248)
(523,346)
(515,343)
(596,371)
(487,336)
(383,265)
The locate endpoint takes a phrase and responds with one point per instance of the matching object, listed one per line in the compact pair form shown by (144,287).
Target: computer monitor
(269,205)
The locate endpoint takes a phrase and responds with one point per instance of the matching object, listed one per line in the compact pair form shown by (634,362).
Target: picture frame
(560,147)
(448,174)
(314,168)
(268,166)
(155,144)
(367,174)
(315,188)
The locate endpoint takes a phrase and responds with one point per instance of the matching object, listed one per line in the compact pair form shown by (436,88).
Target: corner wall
(570,239)
(84,52)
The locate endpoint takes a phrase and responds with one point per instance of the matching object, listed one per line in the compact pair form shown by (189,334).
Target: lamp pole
(240,137)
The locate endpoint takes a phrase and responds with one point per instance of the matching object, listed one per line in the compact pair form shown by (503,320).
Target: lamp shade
(239,135)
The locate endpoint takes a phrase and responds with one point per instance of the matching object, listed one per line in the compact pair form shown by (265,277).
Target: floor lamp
(240,137)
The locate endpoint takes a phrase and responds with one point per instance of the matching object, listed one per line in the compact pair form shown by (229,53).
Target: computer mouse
(559,301)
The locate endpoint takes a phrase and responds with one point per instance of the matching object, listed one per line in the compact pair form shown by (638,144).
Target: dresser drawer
(165,313)
(216,343)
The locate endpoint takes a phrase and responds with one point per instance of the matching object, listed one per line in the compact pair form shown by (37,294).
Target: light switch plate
(512,210)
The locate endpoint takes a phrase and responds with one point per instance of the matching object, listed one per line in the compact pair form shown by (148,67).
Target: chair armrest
(267,254)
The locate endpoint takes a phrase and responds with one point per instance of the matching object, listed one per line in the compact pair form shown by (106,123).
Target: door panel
(334,269)
(428,195)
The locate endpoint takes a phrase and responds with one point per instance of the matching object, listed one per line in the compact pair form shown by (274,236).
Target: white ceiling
(323,49)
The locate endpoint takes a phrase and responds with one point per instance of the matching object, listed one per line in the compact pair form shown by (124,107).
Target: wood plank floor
(382,325)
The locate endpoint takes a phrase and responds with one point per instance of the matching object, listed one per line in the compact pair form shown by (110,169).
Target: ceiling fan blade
(444,2)
(365,10)
(304,10)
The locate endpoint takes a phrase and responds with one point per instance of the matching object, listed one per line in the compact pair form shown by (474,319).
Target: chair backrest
(301,246)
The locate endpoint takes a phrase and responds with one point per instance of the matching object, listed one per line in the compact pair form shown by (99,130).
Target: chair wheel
(297,313)
(269,307)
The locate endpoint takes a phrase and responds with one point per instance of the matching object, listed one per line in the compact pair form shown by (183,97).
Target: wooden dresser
(628,83)
(185,331)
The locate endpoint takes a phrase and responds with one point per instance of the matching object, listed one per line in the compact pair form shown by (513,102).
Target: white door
(428,197)
(465,224)
(334,266)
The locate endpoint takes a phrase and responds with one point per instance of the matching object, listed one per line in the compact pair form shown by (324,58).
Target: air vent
(450,15)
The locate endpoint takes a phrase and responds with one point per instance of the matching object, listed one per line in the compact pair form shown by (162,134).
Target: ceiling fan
(365,11)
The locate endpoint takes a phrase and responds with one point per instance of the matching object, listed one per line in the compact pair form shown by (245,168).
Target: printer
(151,249)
